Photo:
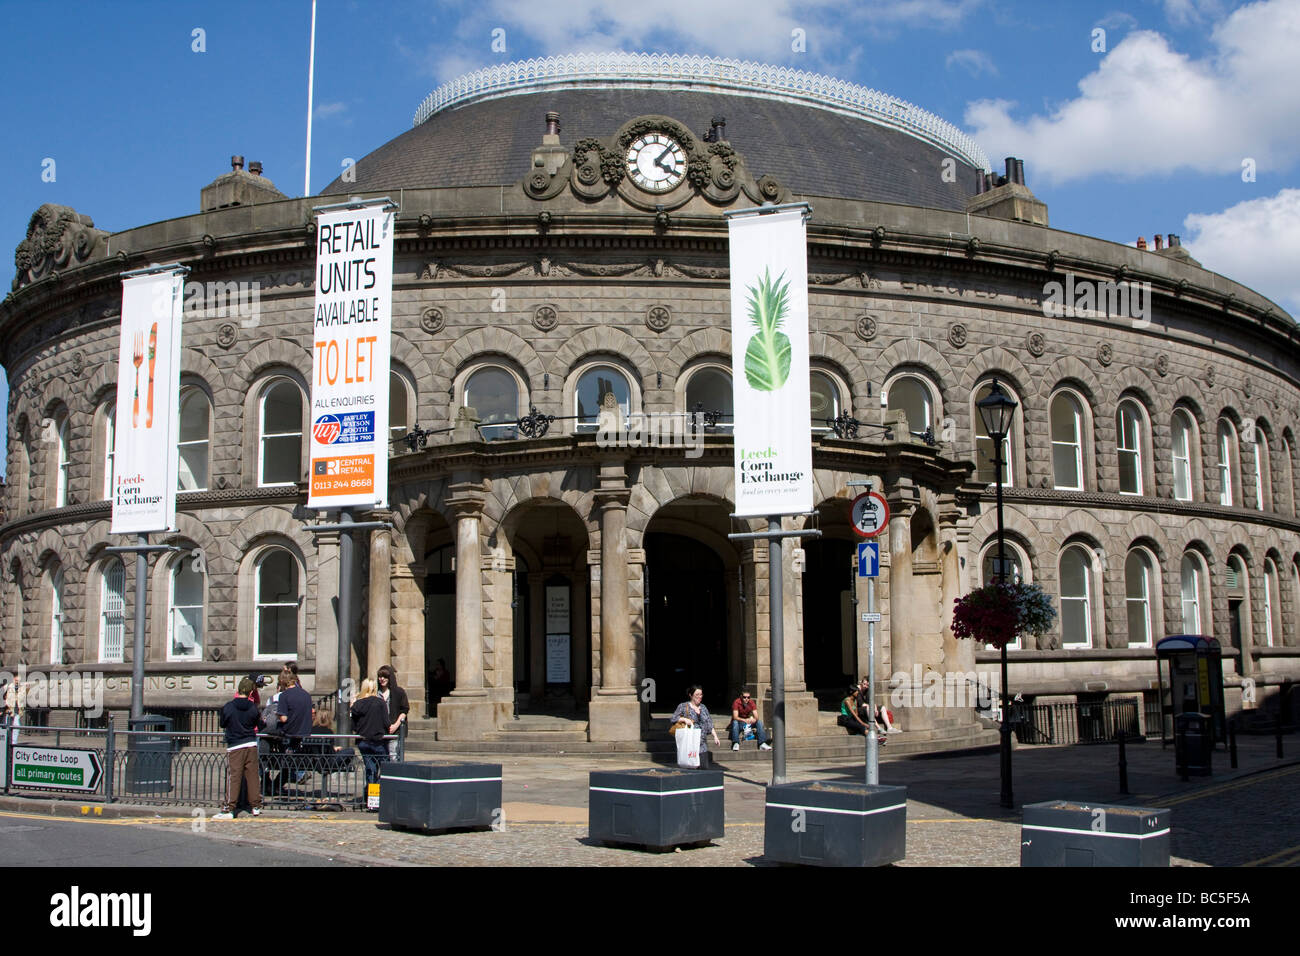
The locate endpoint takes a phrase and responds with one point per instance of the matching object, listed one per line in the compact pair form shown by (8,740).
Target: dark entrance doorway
(686,622)
(439,625)
(829,637)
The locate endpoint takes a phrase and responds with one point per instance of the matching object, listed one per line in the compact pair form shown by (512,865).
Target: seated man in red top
(743,714)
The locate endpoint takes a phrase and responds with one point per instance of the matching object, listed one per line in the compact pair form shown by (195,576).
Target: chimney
(552,123)
(236,162)
(255,168)
(1160,242)
(1020,172)
(1174,241)
(717,130)
(1007,197)
(1142,242)
(238,188)
(1011,169)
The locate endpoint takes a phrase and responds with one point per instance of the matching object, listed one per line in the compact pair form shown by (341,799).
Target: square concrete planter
(439,796)
(657,808)
(1068,833)
(835,824)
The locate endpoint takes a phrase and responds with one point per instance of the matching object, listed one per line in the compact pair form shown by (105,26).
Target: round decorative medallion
(957,335)
(78,363)
(588,174)
(545,318)
(769,188)
(1209,375)
(724,178)
(538,182)
(1162,364)
(866,328)
(658,318)
(226,334)
(432,320)
(1036,344)
(1105,354)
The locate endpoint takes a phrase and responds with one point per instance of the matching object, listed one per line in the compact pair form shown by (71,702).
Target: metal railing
(1076,722)
(190,768)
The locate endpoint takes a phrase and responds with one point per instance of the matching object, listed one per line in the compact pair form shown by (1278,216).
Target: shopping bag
(688,747)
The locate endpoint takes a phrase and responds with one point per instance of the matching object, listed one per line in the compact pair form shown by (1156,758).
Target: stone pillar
(498,638)
(379,624)
(902,650)
(581,643)
(408,633)
(468,714)
(615,713)
(327,622)
(800,704)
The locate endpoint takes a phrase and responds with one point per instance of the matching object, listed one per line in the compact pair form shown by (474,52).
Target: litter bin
(1193,744)
(149,755)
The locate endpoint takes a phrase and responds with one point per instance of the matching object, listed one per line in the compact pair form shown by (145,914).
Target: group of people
(379,710)
(855,711)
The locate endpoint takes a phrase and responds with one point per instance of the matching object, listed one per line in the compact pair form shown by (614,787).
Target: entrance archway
(830,633)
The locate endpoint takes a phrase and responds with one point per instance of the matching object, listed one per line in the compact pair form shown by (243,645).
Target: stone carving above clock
(653,162)
(58,237)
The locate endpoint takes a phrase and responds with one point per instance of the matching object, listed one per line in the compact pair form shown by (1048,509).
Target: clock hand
(660,161)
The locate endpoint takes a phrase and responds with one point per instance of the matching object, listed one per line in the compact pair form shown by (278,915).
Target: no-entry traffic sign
(870,514)
(54,768)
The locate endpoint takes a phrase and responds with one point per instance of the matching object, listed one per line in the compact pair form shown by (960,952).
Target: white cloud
(1256,243)
(1187,13)
(973,61)
(326,110)
(1118,21)
(1148,109)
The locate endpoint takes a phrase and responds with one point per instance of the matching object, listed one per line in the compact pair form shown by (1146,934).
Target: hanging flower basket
(999,613)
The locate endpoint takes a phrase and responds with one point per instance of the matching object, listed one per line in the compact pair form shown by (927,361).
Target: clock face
(656,162)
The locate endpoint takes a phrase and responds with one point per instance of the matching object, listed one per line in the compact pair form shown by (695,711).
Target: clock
(656,162)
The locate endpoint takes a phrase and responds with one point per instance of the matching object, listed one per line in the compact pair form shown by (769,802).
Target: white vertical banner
(769,364)
(349,382)
(145,457)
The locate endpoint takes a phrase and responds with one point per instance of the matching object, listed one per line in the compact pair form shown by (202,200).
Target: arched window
(1182,433)
(1016,564)
(709,390)
(112,611)
(280,447)
(913,397)
(61,477)
(1067,442)
(494,394)
(1295,596)
(1263,484)
(194,439)
(1189,586)
(276,613)
(1139,581)
(985,454)
(110,448)
(1227,444)
(185,611)
(1272,605)
(1076,597)
(824,400)
(593,385)
(56,615)
(1128,433)
(400,405)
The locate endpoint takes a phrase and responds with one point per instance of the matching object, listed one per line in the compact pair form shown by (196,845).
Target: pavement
(1233,818)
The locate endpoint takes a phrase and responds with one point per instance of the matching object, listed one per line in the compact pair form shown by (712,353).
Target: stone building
(542,278)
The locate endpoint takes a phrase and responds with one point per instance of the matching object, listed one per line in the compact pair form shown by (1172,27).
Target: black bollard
(1123,765)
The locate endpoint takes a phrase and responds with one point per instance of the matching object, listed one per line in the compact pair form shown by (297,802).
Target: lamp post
(997,409)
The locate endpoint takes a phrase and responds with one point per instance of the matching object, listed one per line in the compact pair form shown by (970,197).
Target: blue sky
(1141,128)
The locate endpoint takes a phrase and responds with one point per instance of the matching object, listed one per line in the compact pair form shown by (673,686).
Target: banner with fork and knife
(145,460)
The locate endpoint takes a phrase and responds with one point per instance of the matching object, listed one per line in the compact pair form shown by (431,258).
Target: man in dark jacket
(241,721)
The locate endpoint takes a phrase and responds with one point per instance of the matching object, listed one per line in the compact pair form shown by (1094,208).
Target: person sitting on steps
(744,715)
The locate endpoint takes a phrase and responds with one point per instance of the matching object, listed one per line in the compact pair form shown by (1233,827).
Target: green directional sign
(54,768)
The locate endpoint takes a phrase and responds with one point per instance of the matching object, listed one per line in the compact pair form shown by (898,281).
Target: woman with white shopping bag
(695,716)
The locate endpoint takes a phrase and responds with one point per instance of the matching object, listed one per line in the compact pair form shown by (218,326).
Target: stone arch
(104,381)
(602,339)
(268,354)
(410,358)
(49,543)
(1142,526)
(191,528)
(1079,523)
(830,348)
(1000,361)
(508,495)
(1070,369)
(428,496)
(650,497)
(1188,394)
(267,522)
(709,341)
(917,354)
(478,342)
(1135,383)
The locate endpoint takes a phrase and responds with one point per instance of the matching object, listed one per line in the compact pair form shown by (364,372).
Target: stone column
(902,650)
(468,713)
(327,622)
(615,714)
(379,624)
(581,644)
(800,704)
(408,633)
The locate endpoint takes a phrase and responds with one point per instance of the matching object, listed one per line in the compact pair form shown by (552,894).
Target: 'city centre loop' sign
(53,768)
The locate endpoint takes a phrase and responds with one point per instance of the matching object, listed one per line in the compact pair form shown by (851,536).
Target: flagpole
(311,74)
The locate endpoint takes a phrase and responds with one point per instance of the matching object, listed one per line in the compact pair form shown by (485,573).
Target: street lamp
(997,409)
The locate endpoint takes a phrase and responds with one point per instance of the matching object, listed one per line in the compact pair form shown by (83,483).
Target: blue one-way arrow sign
(868,559)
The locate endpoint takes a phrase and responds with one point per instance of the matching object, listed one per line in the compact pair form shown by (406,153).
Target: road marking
(1230,785)
(1293,854)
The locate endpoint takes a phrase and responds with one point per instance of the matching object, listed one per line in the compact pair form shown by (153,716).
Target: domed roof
(816,135)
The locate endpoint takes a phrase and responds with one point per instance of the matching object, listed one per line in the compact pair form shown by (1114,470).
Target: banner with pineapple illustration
(144,460)
(769,364)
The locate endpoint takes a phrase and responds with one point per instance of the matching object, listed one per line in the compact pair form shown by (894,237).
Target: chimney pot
(1142,242)
(1011,168)
(1020,171)
(255,168)
(1174,241)
(1160,241)
(236,162)
(552,123)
